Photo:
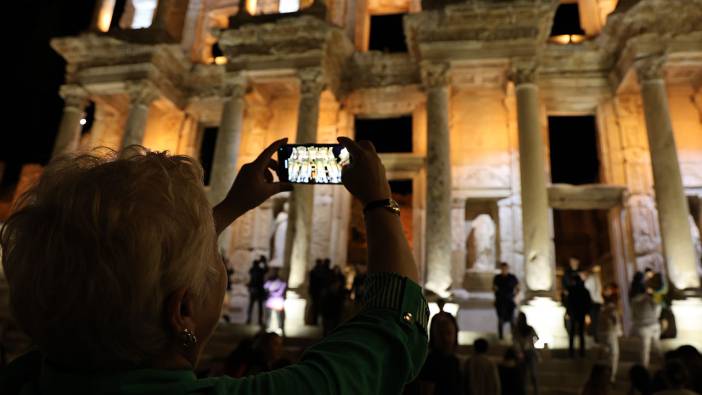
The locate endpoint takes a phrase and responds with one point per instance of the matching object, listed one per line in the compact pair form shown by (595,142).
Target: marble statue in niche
(481,244)
(280,231)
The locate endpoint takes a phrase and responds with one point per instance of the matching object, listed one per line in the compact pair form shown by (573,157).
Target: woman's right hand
(365,177)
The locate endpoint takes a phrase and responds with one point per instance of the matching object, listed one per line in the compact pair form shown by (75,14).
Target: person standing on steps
(506,286)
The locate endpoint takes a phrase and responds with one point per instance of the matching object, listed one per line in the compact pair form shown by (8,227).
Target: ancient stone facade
(478,80)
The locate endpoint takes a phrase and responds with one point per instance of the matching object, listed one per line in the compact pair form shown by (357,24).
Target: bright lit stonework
(479,79)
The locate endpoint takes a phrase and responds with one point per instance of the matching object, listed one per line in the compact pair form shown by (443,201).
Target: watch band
(388,204)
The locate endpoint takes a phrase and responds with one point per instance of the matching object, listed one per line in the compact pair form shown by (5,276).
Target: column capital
(650,68)
(435,75)
(523,72)
(235,86)
(312,81)
(142,93)
(74,96)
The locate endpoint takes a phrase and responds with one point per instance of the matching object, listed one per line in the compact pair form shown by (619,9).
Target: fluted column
(671,202)
(226,151)
(141,95)
(228,140)
(436,78)
(75,99)
(299,235)
(538,260)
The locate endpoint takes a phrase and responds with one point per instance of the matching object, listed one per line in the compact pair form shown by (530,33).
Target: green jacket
(377,352)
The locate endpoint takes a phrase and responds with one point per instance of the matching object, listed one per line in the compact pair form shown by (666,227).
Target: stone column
(75,99)
(140,98)
(538,256)
(227,150)
(228,141)
(671,202)
(458,236)
(697,98)
(436,78)
(299,235)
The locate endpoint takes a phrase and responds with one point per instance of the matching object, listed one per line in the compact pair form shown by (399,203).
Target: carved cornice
(103,65)
(480,29)
(663,19)
(435,75)
(646,29)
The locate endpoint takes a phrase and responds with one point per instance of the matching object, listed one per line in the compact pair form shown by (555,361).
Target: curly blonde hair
(93,250)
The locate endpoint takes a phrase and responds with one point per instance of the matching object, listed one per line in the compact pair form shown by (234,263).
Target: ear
(180,312)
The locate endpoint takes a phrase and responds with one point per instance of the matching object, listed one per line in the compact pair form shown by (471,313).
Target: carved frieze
(375,69)
(480,176)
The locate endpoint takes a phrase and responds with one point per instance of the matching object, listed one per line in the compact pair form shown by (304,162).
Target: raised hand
(253,185)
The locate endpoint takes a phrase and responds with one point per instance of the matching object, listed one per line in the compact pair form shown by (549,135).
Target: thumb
(283,187)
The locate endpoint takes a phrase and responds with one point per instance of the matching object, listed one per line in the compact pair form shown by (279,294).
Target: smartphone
(312,163)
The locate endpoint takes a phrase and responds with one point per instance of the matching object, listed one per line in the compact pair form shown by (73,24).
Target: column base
(546,316)
(688,319)
(295,305)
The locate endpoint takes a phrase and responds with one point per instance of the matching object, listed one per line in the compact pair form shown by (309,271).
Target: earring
(188,338)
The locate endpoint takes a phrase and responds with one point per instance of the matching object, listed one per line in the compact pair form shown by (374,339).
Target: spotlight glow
(565,39)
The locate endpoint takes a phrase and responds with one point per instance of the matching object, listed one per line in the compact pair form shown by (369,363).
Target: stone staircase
(561,375)
(558,374)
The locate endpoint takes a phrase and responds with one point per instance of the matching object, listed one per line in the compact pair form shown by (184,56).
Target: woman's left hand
(253,185)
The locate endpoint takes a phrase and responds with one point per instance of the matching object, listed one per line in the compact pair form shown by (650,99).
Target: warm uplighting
(546,316)
(105,15)
(565,39)
(220,60)
(251,6)
(286,6)
(144,11)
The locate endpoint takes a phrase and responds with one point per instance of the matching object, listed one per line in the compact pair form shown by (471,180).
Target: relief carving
(644,224)
(485,176)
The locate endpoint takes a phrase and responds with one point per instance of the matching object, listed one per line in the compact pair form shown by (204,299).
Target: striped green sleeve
(399,294)
(375,353)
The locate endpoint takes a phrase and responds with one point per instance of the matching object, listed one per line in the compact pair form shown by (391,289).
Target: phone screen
(312,163)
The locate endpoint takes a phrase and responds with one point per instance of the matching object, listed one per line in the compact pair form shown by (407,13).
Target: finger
(273,164)
(367,145)
(268,175)
(265,156)
(277,187)
(354,149)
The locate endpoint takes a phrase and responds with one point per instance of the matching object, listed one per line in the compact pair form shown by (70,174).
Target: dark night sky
(37,72)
